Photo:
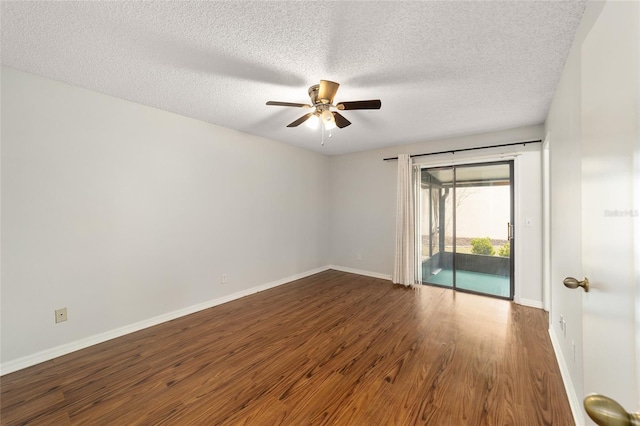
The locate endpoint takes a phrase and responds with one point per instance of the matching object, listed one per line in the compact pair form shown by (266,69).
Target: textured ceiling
(440,68)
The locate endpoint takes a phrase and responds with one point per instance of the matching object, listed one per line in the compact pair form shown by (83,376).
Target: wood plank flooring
(333,348)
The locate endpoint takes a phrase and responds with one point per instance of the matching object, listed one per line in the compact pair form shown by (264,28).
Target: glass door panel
(437,226)
(483,218)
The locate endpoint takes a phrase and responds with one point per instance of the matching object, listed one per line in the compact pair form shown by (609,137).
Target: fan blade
(288,104)
(340,120)
(327,90)
(372,104)
(300,120)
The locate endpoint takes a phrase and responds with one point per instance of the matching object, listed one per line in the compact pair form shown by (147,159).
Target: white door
(610,204)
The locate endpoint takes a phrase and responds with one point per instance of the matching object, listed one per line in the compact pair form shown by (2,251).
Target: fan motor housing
(313,93)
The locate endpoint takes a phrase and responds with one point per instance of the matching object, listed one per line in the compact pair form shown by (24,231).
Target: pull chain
(322,130)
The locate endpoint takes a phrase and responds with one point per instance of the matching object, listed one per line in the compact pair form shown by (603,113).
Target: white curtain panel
(404,265)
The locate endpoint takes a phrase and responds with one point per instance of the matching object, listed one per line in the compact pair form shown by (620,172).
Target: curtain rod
(453,151)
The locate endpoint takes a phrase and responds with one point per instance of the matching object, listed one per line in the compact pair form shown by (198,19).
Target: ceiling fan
(322,100)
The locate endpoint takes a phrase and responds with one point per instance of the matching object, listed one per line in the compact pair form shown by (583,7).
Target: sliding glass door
(464,228)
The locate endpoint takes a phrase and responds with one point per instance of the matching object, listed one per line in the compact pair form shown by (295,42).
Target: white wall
(563,126)
(363,191)
(528,237)
(121,213)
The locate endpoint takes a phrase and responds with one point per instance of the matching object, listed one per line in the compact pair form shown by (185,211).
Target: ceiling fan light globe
(327,116)
(328,125)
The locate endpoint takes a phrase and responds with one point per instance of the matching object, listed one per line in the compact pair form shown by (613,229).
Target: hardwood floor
(333,348)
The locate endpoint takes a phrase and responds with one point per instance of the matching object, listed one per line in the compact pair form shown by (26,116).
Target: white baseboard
(574,401)
(48,354)
(531,303)
(360,272)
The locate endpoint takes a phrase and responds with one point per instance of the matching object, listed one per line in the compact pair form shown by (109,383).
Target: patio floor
(496,285)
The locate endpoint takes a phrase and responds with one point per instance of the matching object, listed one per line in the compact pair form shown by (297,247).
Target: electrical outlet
(359,256)
(561,323)
(61,315)
(224,279)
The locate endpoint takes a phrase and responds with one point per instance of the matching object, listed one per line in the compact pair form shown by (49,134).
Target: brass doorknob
(607,412)
(571,282)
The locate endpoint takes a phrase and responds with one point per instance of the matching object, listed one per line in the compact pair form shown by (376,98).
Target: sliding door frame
(511,235)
